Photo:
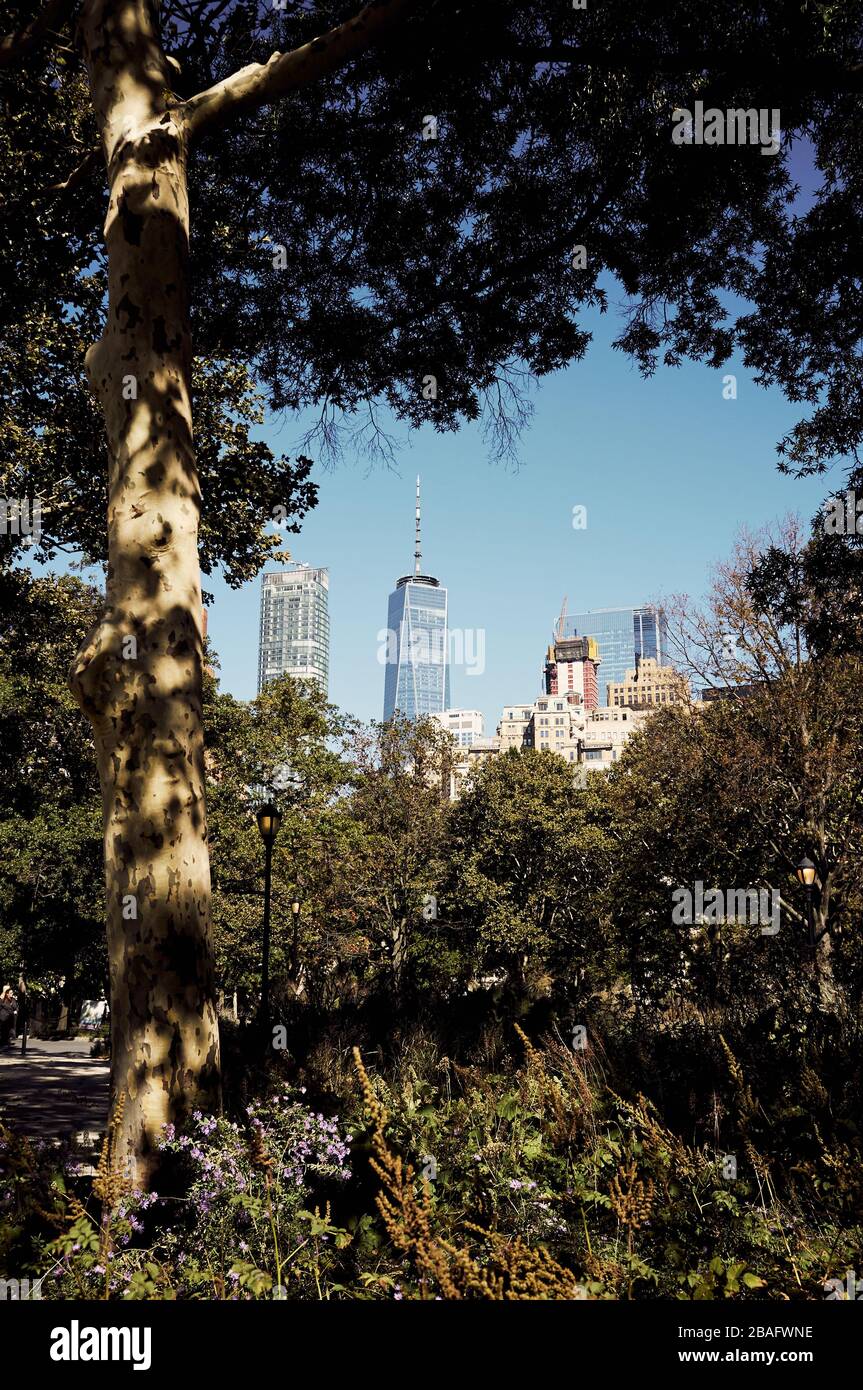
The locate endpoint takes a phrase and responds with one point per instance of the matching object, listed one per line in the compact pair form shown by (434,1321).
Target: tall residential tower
(295,626)
(417,642)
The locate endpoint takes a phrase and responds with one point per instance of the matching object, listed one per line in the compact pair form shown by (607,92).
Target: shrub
(244,1227)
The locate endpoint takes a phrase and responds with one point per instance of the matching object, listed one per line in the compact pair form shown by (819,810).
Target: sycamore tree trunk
(138,676)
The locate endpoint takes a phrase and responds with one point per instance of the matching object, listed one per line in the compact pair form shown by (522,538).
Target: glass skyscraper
(295,626)
(623,634)
(417,643)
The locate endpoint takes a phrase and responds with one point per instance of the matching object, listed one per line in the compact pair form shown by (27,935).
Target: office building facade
(465,725)
(295,626)
(562,724)
(417,681)
(515,729)
(649,685)
(623,636)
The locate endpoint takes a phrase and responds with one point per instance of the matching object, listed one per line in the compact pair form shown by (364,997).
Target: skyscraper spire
(417,676)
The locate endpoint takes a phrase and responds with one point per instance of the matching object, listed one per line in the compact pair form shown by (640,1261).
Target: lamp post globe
(269,818)
(806,873)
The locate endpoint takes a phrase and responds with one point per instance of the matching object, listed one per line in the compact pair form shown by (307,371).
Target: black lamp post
(806,872)
(269,818)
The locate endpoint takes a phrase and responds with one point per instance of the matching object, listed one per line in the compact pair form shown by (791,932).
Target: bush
(533,1180)
(243,1227)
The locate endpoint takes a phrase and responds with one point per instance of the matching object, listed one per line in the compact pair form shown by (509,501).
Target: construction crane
(558,632)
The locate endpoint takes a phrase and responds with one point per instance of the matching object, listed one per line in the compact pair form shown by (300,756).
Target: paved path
(55,1089)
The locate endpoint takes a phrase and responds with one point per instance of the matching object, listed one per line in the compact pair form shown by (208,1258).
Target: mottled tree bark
(139,675)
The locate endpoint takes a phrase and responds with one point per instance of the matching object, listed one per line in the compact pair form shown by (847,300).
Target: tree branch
(260,83)
(15,46)
(816,73)
(89,164)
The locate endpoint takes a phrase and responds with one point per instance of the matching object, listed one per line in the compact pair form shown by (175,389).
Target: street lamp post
(269,819)
(806,872)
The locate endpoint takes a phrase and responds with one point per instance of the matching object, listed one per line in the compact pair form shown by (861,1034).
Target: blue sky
(668,471)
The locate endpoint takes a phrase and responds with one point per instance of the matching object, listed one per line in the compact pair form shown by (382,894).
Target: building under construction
(572,667)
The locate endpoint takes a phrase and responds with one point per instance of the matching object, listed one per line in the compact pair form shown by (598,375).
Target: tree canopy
(340,259)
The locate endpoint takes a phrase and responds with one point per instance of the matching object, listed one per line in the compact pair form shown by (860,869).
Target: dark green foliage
(404,258)
(664,1052)
(51,883)
(529,858)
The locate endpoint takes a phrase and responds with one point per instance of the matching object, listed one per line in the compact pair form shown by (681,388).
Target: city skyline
(294,640)
(663,504)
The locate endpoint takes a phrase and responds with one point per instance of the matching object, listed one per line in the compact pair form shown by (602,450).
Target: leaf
(508,1106)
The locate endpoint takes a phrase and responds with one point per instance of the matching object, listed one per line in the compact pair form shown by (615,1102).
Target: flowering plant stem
(275,1232)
